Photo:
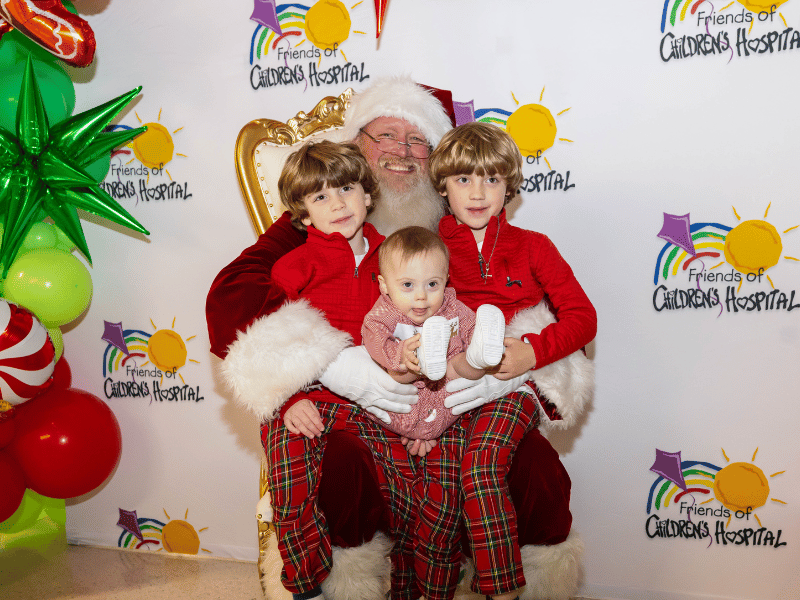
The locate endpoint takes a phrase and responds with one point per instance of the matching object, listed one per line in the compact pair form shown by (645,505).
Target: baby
(419,332)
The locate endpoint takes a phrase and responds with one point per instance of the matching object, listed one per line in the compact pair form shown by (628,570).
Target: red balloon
(7,428)
(62,375)
(67,443)
(13,486)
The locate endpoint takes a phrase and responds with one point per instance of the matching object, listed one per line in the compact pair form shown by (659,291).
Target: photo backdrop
(661,142)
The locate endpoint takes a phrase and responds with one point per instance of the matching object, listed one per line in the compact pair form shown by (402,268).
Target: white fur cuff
(280,354)
(568,383)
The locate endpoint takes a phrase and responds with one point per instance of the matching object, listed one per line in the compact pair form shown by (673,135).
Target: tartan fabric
(302,532)
(437,491)
(492,434)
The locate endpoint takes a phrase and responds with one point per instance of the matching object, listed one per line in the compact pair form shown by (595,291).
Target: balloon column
(57,441)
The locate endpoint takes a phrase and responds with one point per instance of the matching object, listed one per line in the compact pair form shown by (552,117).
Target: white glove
(360,379)
(466,394)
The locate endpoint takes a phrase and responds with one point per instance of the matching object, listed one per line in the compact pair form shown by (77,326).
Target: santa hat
(401,97)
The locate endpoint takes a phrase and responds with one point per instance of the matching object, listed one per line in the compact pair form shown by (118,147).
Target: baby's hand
(408,353)
(418,447)
(303,418)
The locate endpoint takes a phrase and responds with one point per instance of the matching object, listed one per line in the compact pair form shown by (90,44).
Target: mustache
(398,161)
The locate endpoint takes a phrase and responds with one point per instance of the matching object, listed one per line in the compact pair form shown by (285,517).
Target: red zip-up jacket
(324,272)
(517,269)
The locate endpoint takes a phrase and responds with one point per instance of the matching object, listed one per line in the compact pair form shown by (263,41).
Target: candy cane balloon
(27,356)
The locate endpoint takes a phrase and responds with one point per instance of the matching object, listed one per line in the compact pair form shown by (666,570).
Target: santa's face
(398,166)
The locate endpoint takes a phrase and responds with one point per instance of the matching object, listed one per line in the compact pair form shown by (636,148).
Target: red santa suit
(270,349)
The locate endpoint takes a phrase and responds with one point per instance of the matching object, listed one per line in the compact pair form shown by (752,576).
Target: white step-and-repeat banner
(669,163)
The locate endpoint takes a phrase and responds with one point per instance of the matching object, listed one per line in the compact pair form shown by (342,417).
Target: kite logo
(739,489)
(150,180)
(736,29)
(719,266)
(535,130)
(175,536)
(136,355)
(291,34)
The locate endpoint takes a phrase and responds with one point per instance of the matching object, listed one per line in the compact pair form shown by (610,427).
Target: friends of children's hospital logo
(698,500)
(144,533)
(143,170)
(739,29)
(535,129)
(305,43)
(709,265)
(147,364)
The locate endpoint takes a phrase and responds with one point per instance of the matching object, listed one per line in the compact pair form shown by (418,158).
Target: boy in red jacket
(329,189)
(477,168)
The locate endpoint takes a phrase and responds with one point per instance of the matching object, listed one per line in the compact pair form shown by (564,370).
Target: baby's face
(416,285)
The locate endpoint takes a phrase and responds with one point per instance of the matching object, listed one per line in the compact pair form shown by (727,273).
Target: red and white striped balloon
(27,356)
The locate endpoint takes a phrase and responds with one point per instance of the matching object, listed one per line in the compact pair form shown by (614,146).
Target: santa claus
(271,349)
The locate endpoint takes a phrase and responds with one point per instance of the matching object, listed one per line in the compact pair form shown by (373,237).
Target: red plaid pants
(295,463)
(474,457)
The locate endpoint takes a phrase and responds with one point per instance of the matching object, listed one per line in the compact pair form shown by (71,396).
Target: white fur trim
(270,566)
(280,354)
(551,572)
(397,97)
(360,573)
(569,382)
(264,511)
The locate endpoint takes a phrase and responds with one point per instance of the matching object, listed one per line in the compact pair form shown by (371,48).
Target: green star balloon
(42,169)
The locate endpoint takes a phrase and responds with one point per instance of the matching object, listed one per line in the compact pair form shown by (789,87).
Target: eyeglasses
(420,149)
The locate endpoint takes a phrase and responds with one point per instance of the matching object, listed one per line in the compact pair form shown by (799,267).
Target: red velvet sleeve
(577,319)
(244,291)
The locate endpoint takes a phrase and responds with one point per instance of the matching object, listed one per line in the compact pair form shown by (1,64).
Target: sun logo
(326,24)
(742,487)
(180,536)
(154,148)
(753,247)
(533,128)
(167,350)
(759,6)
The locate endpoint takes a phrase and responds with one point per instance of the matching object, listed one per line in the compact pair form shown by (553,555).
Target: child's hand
(518,359)
(303,418)
(408,353)
(418,447)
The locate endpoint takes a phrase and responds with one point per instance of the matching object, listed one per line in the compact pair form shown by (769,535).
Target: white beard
(419,205)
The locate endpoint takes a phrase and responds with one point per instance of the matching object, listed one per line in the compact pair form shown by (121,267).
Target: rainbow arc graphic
(151,531)
(713,237)
(698,476)
(114,359)
(684,5)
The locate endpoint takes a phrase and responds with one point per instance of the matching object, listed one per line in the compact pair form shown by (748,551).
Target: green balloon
(99,168)
(41,235)
(58,92)
(51,283)
(15,47)
(58,341)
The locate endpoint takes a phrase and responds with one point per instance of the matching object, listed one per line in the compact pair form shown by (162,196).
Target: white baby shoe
(432,353)
(486,347)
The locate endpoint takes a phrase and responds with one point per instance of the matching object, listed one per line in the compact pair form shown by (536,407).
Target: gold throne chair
(261,150)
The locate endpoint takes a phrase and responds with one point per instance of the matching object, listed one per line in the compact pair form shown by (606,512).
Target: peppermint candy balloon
(27,357)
